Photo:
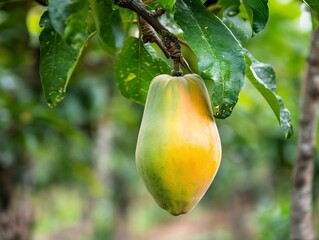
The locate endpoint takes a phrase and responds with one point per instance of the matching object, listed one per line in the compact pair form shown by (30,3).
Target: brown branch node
(169,43)
(149,34)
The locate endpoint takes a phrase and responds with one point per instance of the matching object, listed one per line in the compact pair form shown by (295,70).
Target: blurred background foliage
(76,162)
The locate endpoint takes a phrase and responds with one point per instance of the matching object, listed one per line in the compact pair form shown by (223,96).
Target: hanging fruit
(178,149)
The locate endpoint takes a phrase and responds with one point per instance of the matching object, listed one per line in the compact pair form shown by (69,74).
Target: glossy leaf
(220,56)
(314,4)
(263,77)
(135,68)
(69,19)
(108,25)
(57,62)
(239,27)
(229,3)
(167,4)
(259,13)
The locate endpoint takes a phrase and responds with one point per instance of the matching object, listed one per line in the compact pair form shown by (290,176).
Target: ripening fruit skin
(178,149)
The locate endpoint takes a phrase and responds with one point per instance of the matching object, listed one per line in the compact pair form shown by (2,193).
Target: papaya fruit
(178,148)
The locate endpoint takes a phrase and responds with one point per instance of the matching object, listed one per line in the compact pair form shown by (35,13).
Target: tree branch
(170,40)
(149,34)
(302,227)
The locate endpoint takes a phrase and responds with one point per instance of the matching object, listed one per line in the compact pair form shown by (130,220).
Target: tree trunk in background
(302,227)
(6,186)
(16,216)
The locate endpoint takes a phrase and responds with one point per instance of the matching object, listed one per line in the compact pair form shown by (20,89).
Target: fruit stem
(177,72)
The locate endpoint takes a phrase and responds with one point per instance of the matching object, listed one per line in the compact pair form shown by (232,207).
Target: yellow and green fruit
(178,149)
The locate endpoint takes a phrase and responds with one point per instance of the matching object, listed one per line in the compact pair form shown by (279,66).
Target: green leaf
(69,19)
(220,55)
(135,68)
(128,18)
(57,61)
(239,27)
(108,25)
(259,13)
(167,4)
(263,77)
(314,4)
(229,3)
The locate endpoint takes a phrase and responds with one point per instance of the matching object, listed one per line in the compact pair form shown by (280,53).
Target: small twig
(158,12)
(186,65)
(148,1)
(181,41)
(215,9)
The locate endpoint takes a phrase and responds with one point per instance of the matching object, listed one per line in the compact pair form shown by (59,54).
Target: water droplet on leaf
(55,97)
